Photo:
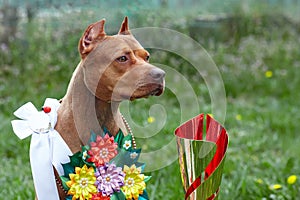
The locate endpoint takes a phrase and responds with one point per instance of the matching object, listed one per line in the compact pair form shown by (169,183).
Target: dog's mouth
(158,91)
(145,92)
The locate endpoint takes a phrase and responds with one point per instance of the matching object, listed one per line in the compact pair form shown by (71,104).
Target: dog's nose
(157,74)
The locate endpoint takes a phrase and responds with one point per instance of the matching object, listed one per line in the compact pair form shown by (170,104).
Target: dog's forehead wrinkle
(109,46)
(125,43)
(122,51)
(129,40)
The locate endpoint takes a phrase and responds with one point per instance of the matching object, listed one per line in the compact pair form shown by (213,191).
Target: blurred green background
(255,45)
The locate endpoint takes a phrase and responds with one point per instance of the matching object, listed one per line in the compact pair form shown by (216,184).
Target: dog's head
(117,67)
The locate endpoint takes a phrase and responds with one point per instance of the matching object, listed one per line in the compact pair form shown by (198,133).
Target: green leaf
(85,148)
(76,159)
(123,158)
(64,180)
(141,165)
(118,196)
(290,164)
(128,137)
(69,197)
(89,164)
(68,169)
(144,196)
(147,178)
(120,160)
(119,138)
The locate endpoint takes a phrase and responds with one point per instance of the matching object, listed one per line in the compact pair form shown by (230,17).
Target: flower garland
(105,169)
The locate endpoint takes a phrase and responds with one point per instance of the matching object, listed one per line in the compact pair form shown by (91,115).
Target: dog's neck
(81,112)
(108,115)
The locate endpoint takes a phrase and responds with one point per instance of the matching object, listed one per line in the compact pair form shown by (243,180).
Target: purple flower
(110,179)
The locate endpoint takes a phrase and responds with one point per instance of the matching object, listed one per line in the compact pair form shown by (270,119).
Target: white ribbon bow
(47,148)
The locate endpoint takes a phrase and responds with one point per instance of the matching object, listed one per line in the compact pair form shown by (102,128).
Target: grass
(261,74)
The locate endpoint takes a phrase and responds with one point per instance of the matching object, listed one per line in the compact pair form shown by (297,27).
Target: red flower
(103,150)
(99,196)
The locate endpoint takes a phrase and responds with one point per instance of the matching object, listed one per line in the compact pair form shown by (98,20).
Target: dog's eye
(122,59)
(147,58)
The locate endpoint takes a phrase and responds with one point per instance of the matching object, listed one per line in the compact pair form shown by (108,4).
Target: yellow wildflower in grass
(82,183)
(275,187)
(134,184)
(268,74)
(238,117)
(259,181)
(292,179)
(151,120)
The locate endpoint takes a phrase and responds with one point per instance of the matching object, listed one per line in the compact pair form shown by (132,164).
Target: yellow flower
(82,184)
(292,179)
(275,187)
(151,120)
(268,74)
(259,181)
(238,117)
(134,184)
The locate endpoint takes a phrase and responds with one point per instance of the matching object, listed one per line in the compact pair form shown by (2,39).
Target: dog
(112,69)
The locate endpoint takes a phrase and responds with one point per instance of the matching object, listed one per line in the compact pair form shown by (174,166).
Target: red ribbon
(196,129)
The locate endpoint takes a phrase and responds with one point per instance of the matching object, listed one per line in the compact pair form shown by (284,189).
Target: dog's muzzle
(157,74)
(158,77)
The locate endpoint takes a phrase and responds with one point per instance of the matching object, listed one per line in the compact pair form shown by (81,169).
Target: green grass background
(262,111)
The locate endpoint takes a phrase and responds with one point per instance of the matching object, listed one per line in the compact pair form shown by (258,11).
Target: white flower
(84,155)
(127,144)
(133,155)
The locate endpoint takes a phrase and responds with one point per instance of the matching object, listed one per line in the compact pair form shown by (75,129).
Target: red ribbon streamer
(195,129)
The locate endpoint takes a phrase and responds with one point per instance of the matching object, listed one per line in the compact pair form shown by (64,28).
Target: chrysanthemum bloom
(134,184)
(82,184)
(109,179)
(103,150)
(291,179)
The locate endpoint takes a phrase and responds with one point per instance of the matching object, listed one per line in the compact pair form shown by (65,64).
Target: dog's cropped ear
(124,30)
(94,32)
